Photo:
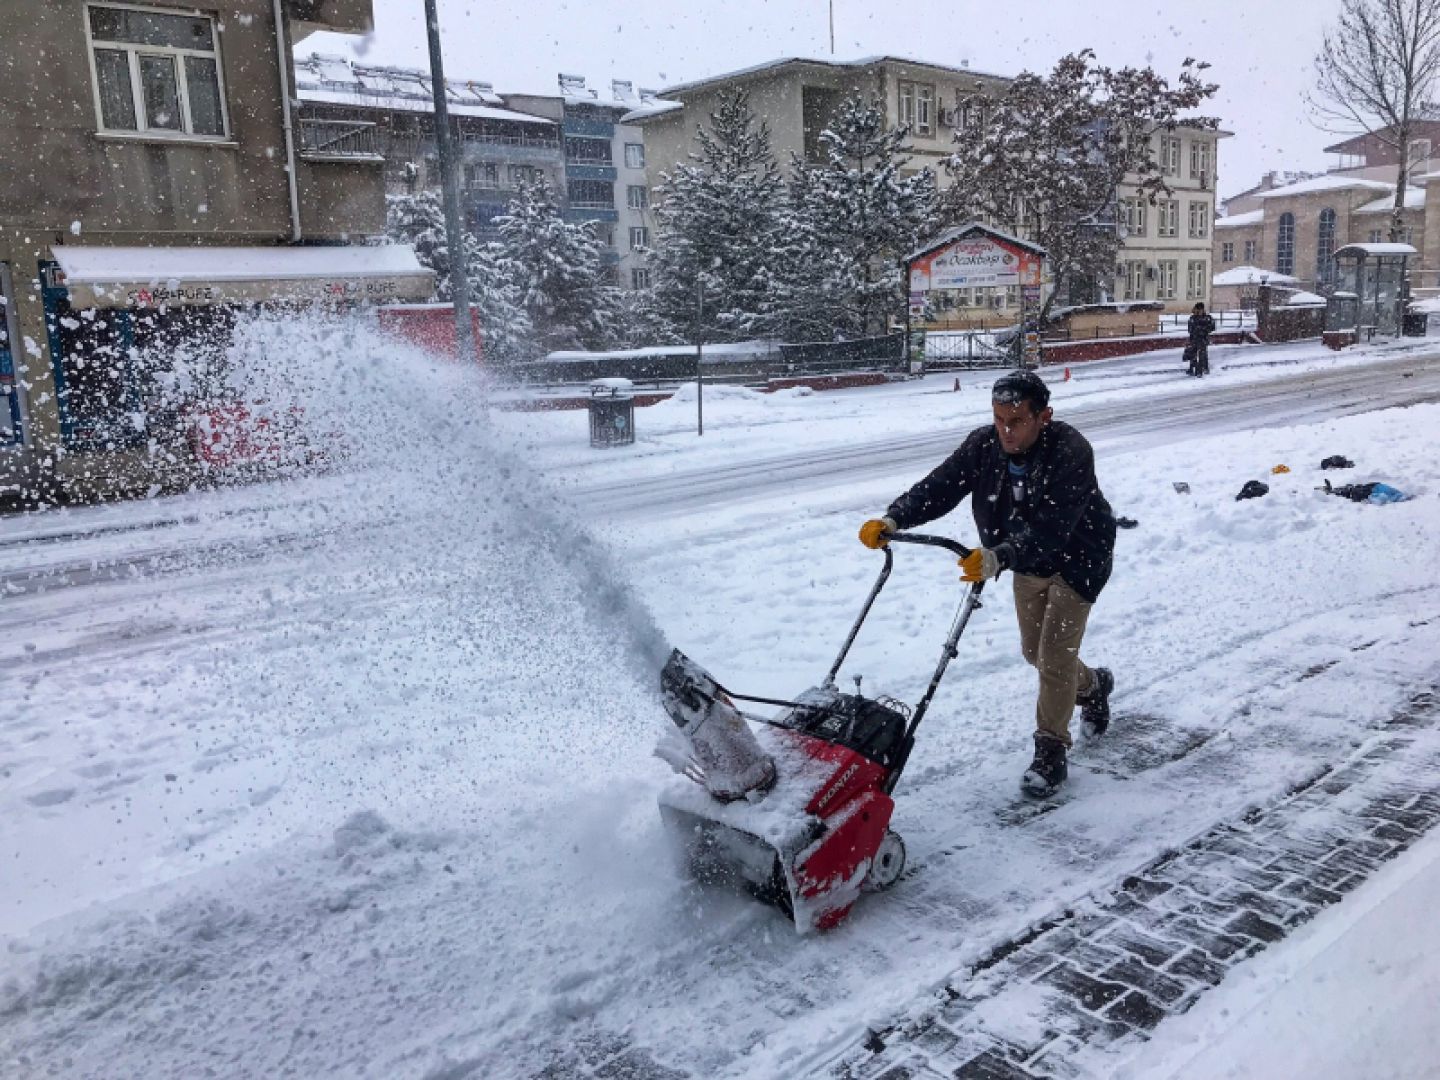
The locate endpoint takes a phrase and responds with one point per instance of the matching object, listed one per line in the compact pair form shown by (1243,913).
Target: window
(637,197)
(1195,279)
(589,151)
(1285,244)
(1135,280)
(1199,219)
(523,174)
(1419,156)
(1227,252)
(1325,248)
(639,238)
(1200,162)
(634,155)
(1252,251)
(1170,155)
(1169,217)
(1166,279)
(925,109)
(1134,214)
(640,278)
(917,107)
(1377,235)
(484,175)
(156,72)
(591,194)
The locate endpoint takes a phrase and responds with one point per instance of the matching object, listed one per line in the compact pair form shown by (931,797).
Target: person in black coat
(1041,515)
(1197,353)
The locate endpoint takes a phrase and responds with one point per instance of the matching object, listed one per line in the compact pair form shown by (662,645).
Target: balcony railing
(338,138)
(527,142)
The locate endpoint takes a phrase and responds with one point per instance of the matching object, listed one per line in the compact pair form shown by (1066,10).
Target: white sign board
(977,263)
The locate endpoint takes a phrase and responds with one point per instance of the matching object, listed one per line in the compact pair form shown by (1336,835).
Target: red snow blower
(798,810)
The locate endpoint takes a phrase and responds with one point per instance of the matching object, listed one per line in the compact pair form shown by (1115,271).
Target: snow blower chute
(797,810)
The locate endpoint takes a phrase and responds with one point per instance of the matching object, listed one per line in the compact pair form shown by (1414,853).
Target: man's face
(1019,425)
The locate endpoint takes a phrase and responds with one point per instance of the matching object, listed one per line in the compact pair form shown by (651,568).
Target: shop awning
(152,277)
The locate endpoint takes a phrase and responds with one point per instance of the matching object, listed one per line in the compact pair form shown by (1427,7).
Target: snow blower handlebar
(899,538)
(948,652)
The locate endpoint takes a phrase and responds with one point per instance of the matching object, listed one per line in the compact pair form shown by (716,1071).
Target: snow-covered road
(1169,413)
(350,776)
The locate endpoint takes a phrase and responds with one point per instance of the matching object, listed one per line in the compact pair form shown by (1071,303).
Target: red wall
(430,326)
(1076,352)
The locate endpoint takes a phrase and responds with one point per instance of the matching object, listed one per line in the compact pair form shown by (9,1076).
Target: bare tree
(1377,70)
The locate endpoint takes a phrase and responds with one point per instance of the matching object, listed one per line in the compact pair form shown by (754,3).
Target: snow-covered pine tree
(719,217)
(1046,160)
(418,219)
(559,268)
(850,219)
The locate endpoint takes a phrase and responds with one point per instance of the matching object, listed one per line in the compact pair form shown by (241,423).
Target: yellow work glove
(982,564)
(874,534)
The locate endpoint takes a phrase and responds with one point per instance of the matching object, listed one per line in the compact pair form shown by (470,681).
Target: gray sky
(1260,50)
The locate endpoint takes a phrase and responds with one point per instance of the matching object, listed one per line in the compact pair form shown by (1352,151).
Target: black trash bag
(1337,461)
(1375,492)
(1253,489)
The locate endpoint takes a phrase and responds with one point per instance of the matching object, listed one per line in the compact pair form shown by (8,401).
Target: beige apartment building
(154,177)
(1167,247)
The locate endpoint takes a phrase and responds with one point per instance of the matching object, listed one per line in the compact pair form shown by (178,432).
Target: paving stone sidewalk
(1075,996)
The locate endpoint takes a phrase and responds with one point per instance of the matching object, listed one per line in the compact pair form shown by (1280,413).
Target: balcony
(527,142)
(340,16)
(338,140)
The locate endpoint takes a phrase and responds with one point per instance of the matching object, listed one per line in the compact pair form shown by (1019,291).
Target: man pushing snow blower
(1041,515)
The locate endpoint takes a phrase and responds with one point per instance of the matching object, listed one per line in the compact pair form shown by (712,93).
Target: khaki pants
(1052,621)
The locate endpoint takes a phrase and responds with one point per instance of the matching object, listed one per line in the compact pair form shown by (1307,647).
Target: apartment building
(572,139)
(152,178)
(1167,247)
(1166,255)
(352,108)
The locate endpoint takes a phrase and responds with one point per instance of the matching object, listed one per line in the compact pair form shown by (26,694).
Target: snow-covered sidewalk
(1353,994)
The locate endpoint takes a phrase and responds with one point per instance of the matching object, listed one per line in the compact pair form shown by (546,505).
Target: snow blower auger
(798,810)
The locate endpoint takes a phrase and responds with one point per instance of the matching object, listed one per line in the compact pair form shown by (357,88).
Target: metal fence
(945,349)
(749,363)
(338,138)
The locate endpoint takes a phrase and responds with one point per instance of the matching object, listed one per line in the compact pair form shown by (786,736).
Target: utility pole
(454,235)
(699,356)
(832,27)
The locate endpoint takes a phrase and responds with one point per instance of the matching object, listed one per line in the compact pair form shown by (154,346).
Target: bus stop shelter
(1371,289)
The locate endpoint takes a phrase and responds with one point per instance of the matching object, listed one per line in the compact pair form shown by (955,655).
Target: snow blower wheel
(889,863)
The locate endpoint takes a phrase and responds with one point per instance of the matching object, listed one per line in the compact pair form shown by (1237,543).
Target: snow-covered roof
(1251,275)
(1240,221)
(1375,249)
(107,276)
(1304,299)
(864,61)
(973,226)
(334,80)
(1328,182)
(658,107)
(1414,200)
